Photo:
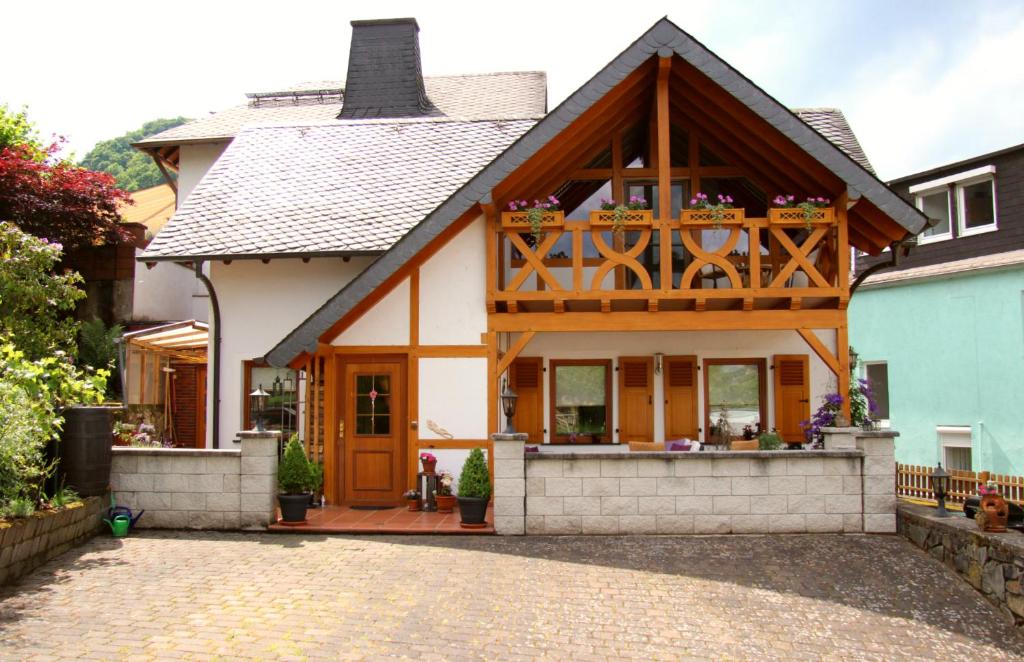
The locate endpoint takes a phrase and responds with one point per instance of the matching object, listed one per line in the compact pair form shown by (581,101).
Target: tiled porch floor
(343,519)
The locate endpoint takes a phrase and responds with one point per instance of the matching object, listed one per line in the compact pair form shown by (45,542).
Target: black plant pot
(473,511)
(293,507)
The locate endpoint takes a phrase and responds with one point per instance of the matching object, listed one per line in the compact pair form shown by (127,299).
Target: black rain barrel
(84,449)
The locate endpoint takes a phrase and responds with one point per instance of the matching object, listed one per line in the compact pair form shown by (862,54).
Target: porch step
(398,521)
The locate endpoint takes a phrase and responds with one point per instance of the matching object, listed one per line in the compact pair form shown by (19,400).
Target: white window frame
(961,214)
(962,437)
(884,423)
(919,202)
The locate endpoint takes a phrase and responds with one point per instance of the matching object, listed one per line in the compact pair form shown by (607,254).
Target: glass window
(878,377)
(651,257)
(373,405)
(936,205)
(581,409)
(734,393)
(977,206)
(282,384)
(956,458)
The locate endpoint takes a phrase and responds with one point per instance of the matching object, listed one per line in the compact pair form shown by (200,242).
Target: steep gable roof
(663,39)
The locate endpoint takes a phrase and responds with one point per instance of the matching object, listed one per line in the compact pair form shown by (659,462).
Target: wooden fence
(913,481)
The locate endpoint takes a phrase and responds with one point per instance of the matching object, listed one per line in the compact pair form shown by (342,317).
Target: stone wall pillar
(258,480)
(509,484)
(840,438)
(879,480)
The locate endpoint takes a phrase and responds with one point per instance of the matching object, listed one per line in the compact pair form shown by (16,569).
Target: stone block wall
(993,563)
(199,489)
(27,543)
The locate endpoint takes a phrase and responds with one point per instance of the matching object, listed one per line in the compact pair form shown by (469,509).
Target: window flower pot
(633,218)
(473,512)
(293,507)
(520,220)
(794,216)
(445,503)
(705,217)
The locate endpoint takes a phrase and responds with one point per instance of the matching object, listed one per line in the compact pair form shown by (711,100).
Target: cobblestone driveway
(226,596)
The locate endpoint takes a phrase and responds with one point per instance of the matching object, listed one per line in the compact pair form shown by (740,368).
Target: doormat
(373,507)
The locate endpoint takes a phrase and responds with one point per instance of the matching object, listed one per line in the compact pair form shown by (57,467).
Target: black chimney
(384,75)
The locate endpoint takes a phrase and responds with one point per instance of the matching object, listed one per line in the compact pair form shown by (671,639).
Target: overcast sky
(923,83)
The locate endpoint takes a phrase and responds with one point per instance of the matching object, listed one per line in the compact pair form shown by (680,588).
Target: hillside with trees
(132,169)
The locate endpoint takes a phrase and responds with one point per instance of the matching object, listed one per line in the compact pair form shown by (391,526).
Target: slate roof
(509,95)
(832,124)
(1009,259)
(664,38)
(340,188)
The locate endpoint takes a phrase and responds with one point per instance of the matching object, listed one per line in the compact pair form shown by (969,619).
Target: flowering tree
(50,197)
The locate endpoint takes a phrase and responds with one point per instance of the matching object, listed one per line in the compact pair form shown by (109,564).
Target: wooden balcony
(585,266)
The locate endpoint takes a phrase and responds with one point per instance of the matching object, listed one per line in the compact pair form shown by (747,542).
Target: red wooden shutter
(680,379)
(526,379)
(792,395)
(636,412)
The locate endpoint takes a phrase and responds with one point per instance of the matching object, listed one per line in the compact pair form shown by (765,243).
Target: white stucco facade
(168,292)
(194,160)
(387,323)
(453,297)
(259,305)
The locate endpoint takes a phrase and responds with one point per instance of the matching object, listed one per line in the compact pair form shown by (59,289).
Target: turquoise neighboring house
(941,333)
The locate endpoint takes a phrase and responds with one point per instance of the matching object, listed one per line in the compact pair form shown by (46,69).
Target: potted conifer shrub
(474,491)
(296,478)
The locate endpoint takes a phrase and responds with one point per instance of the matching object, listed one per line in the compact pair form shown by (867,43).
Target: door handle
(805,401)
(341,428)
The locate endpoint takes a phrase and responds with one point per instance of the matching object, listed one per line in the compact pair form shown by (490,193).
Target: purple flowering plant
(535,213)
(701,201)
(808,206)
(862,407)
(634,203)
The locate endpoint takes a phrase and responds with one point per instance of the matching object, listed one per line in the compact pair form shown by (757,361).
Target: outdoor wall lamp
(940,486)
(508,405)
(259,399)
(854,356)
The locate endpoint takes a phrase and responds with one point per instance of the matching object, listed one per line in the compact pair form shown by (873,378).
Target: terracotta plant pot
(429,467)
(445,503)
(473,512)
(414,505)
(996,511)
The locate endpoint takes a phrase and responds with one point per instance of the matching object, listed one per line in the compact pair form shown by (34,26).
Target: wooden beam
(521,342)
(492,382)
(843,352)
(843,242)
(709,320)
(414,306)
(491,236)
(812,339)
(664,174)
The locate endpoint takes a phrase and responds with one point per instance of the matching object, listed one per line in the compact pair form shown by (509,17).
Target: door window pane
(978,205)
(581,400)
(935,205)
(373,404)
(734,398)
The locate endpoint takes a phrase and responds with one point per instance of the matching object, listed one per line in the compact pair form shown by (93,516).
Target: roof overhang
(265,257)
(181,341)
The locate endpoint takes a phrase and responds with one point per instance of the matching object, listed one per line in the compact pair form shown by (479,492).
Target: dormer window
(968,197)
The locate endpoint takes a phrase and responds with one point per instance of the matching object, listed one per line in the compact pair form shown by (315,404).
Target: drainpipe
(213,353)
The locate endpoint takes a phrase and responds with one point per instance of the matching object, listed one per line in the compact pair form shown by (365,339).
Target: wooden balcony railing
(591,265)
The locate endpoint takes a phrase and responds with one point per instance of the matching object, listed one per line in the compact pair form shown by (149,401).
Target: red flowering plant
(535,213)
(427,457)
(808,206)
(701,201)
(987,489)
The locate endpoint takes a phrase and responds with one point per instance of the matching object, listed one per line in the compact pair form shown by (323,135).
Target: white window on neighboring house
(955,447)
(877,373)
(977,206)
(936,205)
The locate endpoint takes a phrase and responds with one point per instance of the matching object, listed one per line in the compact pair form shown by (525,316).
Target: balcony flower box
(519,220)
(706,217)
(634,218)
(796,217)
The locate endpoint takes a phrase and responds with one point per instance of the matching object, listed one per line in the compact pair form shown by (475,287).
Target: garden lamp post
(940,486)
(508,405)
(854,356)
(259,399)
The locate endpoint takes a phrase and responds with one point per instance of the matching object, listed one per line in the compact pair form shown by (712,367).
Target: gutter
(213,351)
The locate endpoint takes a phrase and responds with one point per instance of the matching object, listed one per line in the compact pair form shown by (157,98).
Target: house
(356,242)
(940,332)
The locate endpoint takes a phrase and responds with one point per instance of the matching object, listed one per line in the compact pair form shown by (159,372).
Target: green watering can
(119,525)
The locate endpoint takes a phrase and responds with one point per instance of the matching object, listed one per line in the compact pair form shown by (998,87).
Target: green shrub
(64,496)
(97,348)
(475,480)
(22,508)
(769,441)
(296,473)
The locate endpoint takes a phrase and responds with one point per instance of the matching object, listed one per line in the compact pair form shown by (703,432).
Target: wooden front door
(373,432)
(792,395)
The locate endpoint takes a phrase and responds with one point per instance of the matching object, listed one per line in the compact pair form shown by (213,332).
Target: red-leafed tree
(51,197)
